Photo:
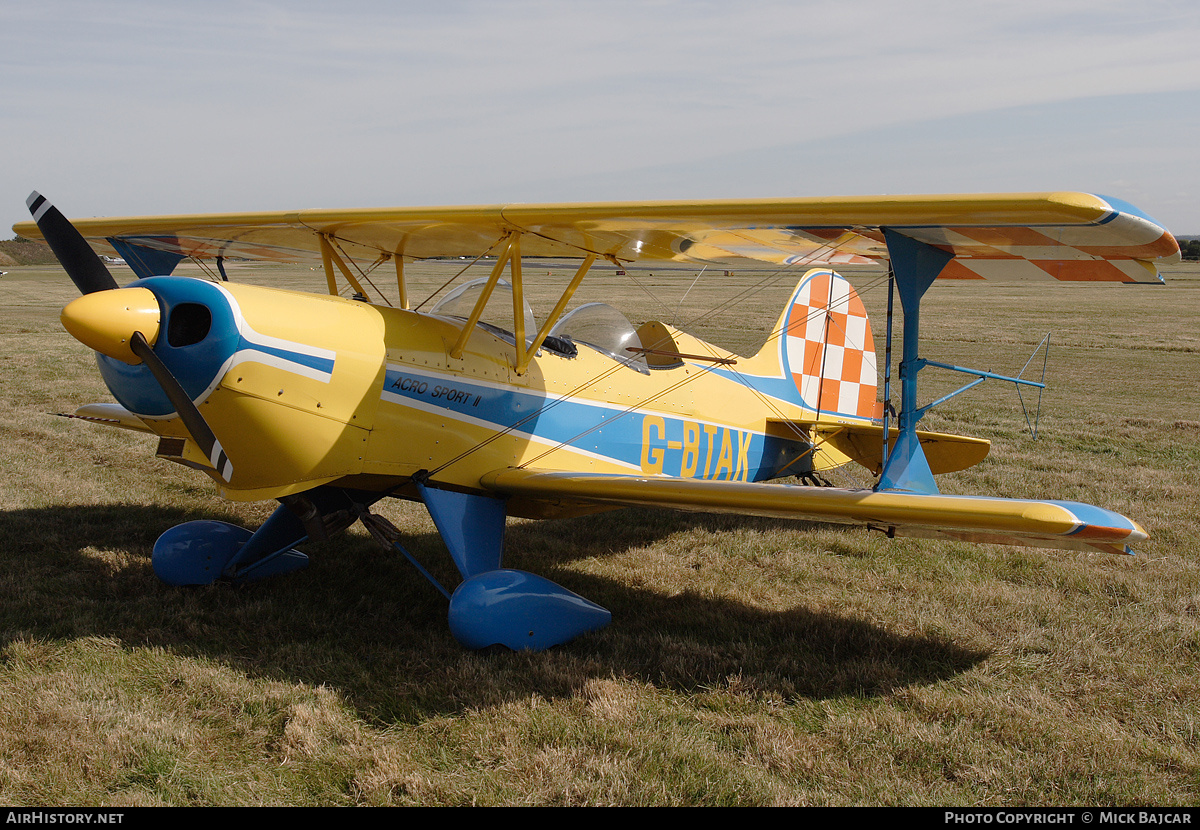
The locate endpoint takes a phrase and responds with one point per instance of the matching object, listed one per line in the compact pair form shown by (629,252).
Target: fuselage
(304,389)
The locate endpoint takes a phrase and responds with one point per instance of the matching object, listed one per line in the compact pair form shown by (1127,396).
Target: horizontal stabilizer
(1032,523)
(863,444)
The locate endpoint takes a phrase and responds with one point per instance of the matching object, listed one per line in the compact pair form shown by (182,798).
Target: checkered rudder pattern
(828,347)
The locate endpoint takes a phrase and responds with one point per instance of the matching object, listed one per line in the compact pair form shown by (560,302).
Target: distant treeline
(1190,248)
(19,251)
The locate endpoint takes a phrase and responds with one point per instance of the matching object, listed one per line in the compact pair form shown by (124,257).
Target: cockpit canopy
(605,329)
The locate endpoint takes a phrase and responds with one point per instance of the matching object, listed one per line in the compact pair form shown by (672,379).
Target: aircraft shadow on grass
(362,621)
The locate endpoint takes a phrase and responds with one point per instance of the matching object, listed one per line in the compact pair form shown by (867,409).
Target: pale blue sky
(137,107)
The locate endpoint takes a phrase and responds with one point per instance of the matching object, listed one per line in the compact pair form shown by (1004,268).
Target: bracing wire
(366,275)
(461,271)
(1033,427)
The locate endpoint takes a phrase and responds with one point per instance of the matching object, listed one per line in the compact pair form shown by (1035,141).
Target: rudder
(825,347)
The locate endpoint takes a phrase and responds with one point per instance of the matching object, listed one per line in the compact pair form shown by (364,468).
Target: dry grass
(749,661)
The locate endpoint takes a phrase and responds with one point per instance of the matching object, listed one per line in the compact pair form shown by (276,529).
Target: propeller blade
(77,258)
(196,426)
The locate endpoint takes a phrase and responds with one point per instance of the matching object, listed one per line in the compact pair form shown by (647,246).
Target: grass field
(750,661)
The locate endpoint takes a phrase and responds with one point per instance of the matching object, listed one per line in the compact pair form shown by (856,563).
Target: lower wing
(1048,524)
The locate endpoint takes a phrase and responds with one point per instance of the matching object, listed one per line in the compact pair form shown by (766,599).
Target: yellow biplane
(329,404)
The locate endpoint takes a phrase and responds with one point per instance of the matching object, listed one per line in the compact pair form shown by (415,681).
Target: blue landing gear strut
(493,605)
(501,606)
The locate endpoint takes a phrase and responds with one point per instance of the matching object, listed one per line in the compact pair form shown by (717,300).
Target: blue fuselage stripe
(319,364)
(652,442)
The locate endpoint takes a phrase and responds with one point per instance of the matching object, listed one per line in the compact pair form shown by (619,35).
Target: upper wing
(1065,236)
(1050,524)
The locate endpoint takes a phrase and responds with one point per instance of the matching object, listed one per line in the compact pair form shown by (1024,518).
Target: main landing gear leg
(501,606)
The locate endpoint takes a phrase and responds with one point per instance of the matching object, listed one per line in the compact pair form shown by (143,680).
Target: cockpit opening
(598,326)
(497,314)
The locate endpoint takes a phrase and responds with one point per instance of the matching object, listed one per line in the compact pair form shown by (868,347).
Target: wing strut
(401,284)
(510,241)
(525,355)
(915,265)
(329,258)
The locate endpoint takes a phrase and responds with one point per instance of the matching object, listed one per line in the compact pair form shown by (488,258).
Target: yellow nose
(105,320)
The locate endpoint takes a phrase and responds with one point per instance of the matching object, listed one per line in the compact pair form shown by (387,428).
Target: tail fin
(823,345)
